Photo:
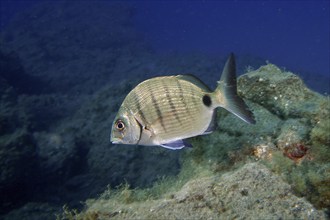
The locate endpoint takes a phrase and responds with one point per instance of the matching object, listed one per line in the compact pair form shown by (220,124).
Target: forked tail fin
(226,93)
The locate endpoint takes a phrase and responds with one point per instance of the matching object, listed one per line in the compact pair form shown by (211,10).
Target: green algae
(308,179)
(306,124)
(281,92)
(106,205)
(165,185)
(320,134)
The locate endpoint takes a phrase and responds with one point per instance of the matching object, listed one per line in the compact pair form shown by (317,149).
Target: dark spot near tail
(207,100)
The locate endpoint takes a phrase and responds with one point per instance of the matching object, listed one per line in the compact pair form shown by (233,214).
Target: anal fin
(176,145)
(213,124)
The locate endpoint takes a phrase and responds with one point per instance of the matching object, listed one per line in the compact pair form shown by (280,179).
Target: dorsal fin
(194,80)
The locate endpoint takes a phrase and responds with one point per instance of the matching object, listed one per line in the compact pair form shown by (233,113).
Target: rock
(13,73)
(58,155)
(8,112)
(251,192)
(267,124)
(303,136)
(56,43)
(293,131)
(34,211)
(281,92)
(291,140)
(18,162)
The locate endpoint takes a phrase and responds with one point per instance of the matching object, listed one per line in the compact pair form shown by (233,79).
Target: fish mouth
(115,141)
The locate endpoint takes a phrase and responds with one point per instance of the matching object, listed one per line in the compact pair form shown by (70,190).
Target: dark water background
(57,56)
(291,34)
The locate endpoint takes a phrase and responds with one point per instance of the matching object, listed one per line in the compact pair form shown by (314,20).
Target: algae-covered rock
(302,143)
(320,133)
(293,131)
(234,139)
(289,139)
(251,192)
(281,92)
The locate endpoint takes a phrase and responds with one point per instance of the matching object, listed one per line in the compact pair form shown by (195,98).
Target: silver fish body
(166,110)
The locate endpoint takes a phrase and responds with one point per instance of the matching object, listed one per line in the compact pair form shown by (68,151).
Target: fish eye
(120,125)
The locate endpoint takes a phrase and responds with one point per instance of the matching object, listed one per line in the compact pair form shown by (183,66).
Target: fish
(166,110)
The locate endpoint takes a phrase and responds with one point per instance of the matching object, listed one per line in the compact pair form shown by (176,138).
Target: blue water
(291,34)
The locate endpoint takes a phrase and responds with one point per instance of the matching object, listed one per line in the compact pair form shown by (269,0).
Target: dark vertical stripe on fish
(193,97)
(138,105)
(182,97)
(170,101)
(159,113)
